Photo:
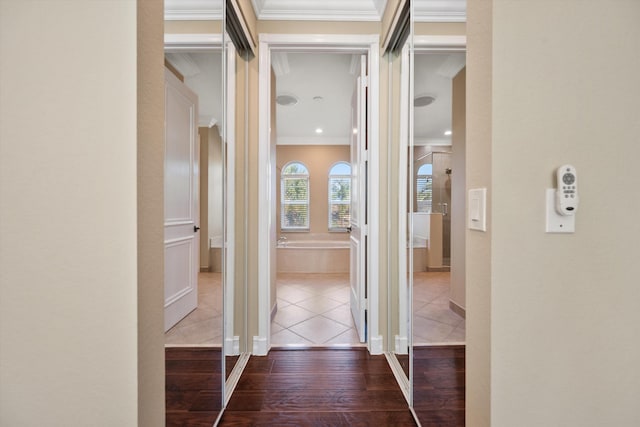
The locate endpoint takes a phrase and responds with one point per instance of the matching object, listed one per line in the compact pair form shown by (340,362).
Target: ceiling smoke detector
(286,100)
(423,100)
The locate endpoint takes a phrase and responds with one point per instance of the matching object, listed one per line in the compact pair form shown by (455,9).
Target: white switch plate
(557,223)
(478,209)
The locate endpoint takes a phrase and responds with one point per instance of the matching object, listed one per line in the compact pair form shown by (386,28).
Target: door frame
(369,44)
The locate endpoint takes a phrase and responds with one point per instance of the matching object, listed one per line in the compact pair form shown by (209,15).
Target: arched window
(339,196)
(294,197)
(424,187)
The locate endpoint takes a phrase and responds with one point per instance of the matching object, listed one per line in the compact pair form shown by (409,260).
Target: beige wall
(458,193)
(150,158)
(192,27)
(203,134)
(559,353)
(318,159)
(439,28)
(69,325)
(478,245)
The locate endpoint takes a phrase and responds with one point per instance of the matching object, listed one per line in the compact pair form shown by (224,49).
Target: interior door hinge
(365,81)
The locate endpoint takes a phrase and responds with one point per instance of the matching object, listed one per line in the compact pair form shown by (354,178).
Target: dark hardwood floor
(439,385)
(193,386)
(317,387)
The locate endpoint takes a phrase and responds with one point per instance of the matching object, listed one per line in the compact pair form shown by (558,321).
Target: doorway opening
(314,128)
(316,107)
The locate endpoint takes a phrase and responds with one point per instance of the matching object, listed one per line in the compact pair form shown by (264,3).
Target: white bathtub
(313,256)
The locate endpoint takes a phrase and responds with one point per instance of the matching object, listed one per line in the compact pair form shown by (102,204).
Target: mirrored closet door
(436,211)
(195,210)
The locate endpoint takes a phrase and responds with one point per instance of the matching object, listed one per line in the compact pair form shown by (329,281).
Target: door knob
(349,229)
(195,228)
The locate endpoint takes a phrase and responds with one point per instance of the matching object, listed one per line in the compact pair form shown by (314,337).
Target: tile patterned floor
(203,326)
(313,310)
(433,320)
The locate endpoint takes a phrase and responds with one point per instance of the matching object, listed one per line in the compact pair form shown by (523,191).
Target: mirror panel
(436,194)
(195,64)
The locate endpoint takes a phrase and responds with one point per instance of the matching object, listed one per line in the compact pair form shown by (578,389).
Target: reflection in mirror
(399,125)
(436,205)
(194,208)
(399,328)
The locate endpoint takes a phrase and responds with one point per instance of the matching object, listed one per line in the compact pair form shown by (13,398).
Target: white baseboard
(260,346)
(375,345)
(232,346)
(402,345)
(458,309)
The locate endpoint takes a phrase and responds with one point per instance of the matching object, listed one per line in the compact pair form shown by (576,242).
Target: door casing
(370,45)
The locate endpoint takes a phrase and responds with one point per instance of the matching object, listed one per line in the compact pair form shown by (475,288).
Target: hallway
(319,386)
(335,387)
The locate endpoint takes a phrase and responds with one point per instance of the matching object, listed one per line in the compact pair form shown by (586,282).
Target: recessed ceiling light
(423,100)
(447,132)
(286,100)
(319,130)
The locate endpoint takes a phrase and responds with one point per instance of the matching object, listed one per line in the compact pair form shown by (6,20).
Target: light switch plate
(557,223)
(478,209)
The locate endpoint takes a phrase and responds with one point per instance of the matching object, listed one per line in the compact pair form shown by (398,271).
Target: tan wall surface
(203,133)
(439,28)
(318,159)
(478,245)
(458,192)
(559,302)
(151,382)
(69,325)
(192,27)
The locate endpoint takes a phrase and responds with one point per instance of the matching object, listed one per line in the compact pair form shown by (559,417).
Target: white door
(358,226)
(181,201)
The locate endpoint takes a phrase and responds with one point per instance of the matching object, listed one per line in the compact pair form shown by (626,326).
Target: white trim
(328,43)
(440,11)
(230,196)
(261,345)
(204,41)
(438,43)
(403,284)
(375,343)
(193,10)
(234,377)
(399,374)
(312,140)
(401,344)
(317,10)
(232,345)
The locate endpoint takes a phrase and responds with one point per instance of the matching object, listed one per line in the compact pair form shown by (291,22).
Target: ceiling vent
(286,100)
(423,100)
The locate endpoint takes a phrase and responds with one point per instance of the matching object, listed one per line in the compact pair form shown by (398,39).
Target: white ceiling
(308,75)
(202,73)
(433,76)
(326,75)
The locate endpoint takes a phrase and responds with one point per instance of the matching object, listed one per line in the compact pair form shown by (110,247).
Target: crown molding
(440,10)
(319,10)
(193,10)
